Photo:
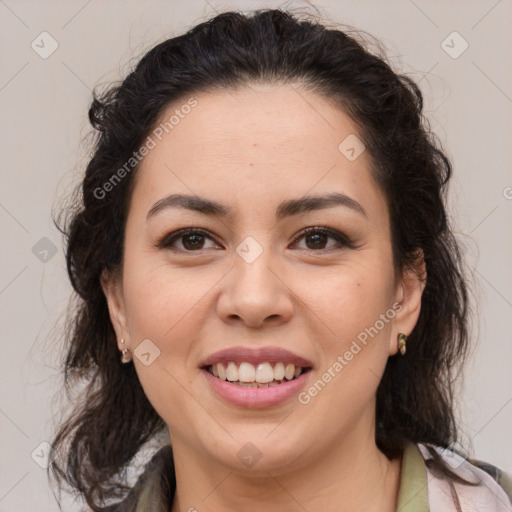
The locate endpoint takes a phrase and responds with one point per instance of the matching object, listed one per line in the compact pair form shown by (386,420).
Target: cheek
(165,306)
(353,315)
(162,300)
(346,299)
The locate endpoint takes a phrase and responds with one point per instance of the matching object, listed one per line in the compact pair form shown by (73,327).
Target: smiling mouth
(263,375)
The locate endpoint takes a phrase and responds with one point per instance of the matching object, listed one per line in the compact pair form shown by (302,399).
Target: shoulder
(492,490)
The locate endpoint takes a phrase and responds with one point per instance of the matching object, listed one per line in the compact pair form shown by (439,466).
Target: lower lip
(255,397)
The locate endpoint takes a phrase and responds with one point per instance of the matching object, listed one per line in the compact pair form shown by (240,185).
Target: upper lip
(256,356)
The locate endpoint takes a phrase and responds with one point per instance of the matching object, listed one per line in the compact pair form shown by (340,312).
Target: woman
(262,239)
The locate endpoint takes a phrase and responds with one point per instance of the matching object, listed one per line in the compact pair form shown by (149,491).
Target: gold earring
(402,340)
(124,358)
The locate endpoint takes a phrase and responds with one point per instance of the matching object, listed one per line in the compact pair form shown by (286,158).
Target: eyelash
(344,242)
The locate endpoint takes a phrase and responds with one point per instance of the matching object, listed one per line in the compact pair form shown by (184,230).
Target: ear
(111,285)
(409,291)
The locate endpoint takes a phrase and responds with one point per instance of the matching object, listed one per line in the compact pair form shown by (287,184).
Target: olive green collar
(412,495)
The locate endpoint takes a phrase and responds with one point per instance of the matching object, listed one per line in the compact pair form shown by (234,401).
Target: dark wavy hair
(415,399)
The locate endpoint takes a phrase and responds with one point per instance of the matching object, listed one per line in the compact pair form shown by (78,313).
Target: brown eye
(317,237)
(318,240)
(191,240)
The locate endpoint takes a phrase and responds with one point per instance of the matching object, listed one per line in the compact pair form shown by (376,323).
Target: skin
(250,149)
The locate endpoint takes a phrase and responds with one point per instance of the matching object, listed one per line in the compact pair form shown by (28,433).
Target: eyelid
(343,240)
(164,241)
(337,235)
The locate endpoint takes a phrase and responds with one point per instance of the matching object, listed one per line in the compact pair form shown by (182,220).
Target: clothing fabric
(421,489)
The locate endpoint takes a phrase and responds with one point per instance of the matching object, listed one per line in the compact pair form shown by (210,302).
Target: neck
(346,477)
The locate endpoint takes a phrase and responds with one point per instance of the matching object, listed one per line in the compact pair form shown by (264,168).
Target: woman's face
(250,280)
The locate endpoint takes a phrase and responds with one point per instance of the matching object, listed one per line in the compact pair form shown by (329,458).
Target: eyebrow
(286,208)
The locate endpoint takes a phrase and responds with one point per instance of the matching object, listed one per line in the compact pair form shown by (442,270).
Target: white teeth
(232,371)
(263,375)
(279,371)
(289,371)
(222,372)
(246,373)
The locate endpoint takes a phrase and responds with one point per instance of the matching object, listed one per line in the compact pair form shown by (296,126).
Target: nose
(255,293)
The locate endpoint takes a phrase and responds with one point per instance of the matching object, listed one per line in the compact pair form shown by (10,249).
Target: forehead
(254,143)
(283,118)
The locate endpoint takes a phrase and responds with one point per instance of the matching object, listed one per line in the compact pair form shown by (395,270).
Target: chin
(259,454)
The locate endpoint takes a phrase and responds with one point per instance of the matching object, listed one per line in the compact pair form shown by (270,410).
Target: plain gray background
(44,104)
